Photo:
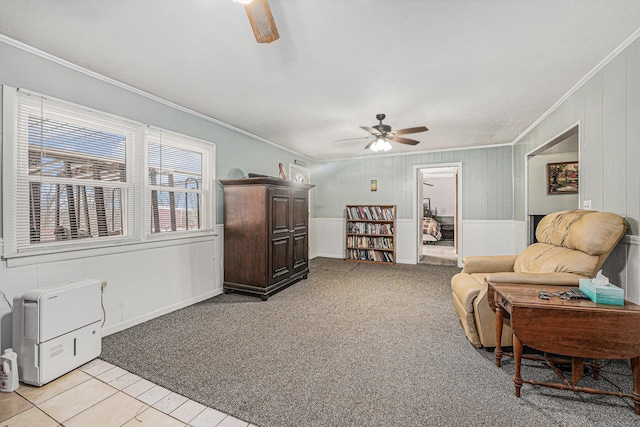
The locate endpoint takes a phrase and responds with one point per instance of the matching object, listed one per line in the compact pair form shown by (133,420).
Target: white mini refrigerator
(57,329)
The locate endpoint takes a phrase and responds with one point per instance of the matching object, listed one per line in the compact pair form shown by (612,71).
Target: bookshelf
(371,233)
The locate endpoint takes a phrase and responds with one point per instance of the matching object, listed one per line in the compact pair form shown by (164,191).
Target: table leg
(577,370)
(596,365)
(499,320)
(635,367)
(517,357)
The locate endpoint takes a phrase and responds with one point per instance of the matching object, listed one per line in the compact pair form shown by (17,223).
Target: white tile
(111,374)
(139,387)
(153,418)
(230,421)
(77,399)
(154,394)
(91,364)
(99,369)
(124,381)
(208,418)
(170,403)
(188,411)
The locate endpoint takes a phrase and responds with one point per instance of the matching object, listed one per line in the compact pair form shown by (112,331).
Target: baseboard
(157,313)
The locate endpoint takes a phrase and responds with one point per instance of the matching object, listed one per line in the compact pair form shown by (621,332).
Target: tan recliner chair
(572,245)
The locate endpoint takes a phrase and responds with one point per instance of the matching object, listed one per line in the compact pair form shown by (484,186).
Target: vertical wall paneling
(507,184)
(614,133)
(591,144)
(633,137)
(607,107)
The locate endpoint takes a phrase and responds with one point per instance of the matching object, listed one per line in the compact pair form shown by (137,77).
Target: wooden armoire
(266,234)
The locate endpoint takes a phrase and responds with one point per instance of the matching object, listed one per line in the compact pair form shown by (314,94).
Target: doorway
(542,198)
(438,207)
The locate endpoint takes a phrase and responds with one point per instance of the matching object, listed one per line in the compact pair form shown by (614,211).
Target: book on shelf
(370,213)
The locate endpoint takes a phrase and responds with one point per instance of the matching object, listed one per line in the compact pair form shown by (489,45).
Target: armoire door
(281,246)
(300,231)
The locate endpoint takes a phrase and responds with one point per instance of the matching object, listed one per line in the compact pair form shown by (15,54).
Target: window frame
(207,201)
(136,165)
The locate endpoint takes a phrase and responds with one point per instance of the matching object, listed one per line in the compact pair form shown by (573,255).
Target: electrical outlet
(586,204)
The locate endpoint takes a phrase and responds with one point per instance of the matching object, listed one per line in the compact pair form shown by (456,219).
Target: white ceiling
(475,72)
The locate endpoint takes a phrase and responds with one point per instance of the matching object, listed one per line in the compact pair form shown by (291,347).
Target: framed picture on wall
(299,174)
(562,178)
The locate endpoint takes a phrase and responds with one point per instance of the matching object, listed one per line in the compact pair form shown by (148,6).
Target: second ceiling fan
(383,134)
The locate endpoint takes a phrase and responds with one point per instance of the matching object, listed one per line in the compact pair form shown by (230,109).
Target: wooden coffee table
(579,329)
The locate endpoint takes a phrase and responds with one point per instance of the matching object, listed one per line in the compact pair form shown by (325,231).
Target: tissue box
(602,294)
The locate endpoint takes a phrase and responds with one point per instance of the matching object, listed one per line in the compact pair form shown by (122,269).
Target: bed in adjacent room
(431,231)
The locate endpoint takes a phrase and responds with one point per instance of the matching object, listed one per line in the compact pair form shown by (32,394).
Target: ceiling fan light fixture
(380,144)
(383,134)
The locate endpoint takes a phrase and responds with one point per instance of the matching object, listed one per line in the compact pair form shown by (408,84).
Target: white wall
(480,237)
(141,284)
(441,194)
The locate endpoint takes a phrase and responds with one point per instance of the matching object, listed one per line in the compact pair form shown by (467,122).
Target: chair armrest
(555,279)
(488,264)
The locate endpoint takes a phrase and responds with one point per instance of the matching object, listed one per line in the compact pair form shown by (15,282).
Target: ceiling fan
(383,134)
(261,20)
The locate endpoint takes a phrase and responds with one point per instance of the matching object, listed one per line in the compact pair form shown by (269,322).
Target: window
(74,178)
(178,182)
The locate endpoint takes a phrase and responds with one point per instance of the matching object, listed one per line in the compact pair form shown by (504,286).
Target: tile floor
(101,394)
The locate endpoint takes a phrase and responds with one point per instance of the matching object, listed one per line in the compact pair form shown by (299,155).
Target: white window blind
(178,183)
(73,174)
(76,178)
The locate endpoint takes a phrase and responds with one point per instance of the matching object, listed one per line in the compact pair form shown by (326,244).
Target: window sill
(85,251)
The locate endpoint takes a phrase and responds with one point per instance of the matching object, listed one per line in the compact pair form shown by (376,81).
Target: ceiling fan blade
(403,140)
(350,139)
(261,20)
(369,144)
(372,131)
(411,130)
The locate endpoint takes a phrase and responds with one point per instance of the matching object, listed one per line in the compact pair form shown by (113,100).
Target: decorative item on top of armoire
(266,234)
(298,173)
(283,174)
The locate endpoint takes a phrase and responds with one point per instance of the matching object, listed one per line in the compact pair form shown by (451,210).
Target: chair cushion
(544,258)
(594,233)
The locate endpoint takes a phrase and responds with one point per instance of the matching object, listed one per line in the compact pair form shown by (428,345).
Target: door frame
(417,208)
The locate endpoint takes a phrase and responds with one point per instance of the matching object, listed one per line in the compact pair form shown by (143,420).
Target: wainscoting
(476,237)
(623,267)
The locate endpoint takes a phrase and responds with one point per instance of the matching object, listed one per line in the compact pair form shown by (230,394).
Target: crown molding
(617,51)
(75,67)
